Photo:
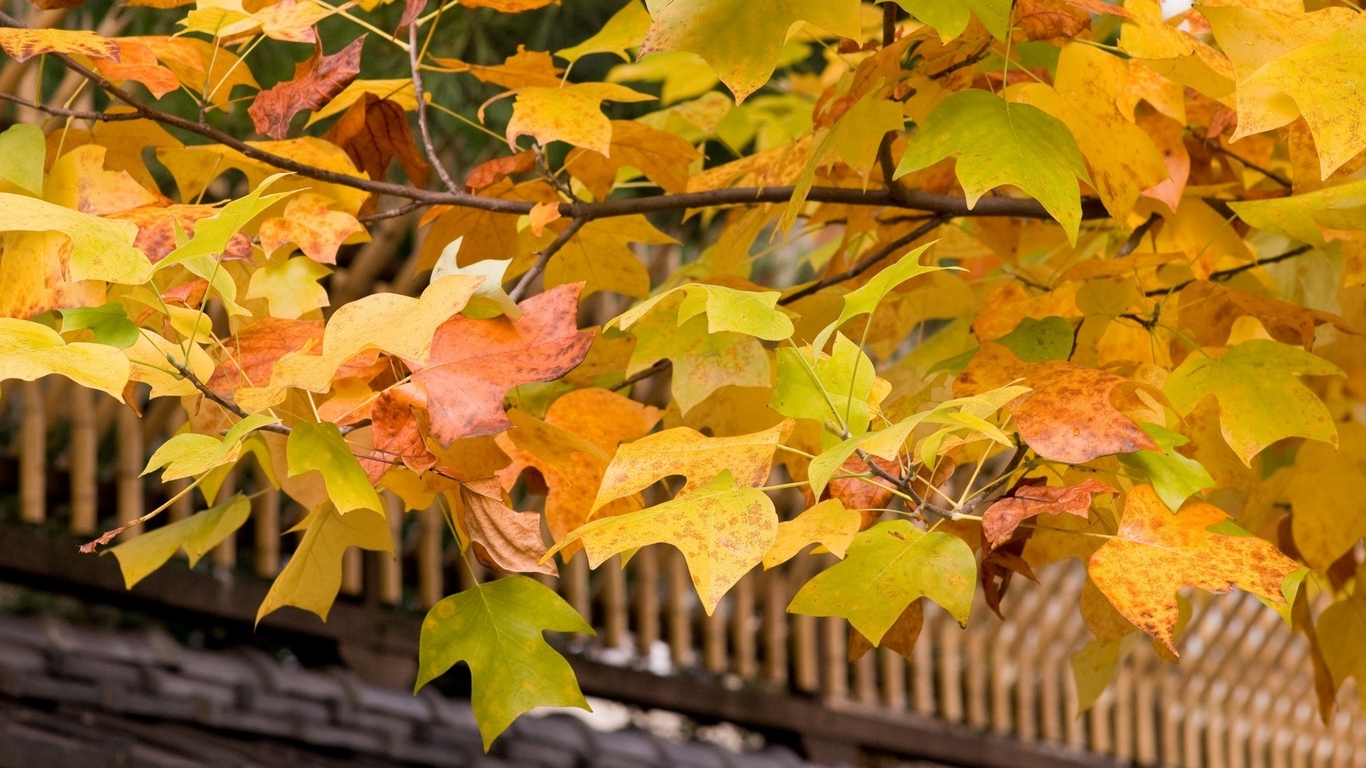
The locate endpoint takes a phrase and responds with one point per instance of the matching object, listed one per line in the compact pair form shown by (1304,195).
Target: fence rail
(1242,696)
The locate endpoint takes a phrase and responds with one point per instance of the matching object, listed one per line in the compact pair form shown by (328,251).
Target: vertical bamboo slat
(646,564)
(431,565)
(834,659)
(774,628)
(32,454)
(679,618)
(224,556)
(744,652)
(266,528)
(714,658)
(81,462)
(616,619)
(132,456)
(391,568)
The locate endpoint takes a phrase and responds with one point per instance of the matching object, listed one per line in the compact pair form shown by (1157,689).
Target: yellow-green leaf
(496,629)
(30,351)
(313,575)
(321,448)
(197,535)
(828,524)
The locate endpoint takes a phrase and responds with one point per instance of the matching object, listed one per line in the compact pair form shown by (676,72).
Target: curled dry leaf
(1003,517)
(316,81)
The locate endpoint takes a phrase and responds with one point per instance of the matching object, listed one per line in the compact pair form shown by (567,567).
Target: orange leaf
(1002,518)
(137,62)
(24,44)
(495,170)
(1155,553)
(474,363)
(156,230)
(541,215)
(309,223)
(1069,416)
(315,82)
(374,132)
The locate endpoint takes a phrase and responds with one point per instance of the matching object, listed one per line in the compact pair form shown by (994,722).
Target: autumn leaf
(571,113)
(501,536)
(1175,476)
(950,17)
(313,576)
(1069,416)
(310,224)
(723,530)
(315,83)
(474,363)
(687,452)
(484,627)
(321,448)
(887,567)
(196,535)
(1329,513)
(188,454)
(828,524)
(374,132)
(742,41)
(1027,147)
(1155,553)
(24,44)
(1004,516)
(29,351)
(1261,399)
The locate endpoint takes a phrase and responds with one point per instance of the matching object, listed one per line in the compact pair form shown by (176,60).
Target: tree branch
(1225,274)
(227,404)
(867,263)
(414,56)
(543,258)
(946,205)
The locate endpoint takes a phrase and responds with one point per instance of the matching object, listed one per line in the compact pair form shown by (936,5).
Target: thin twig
(1267,172)
(1225,274)
(414,54)
(544,258)
(659,367)
(79,114)
(392,213)
(227,404)
(1136,237)
(867,263)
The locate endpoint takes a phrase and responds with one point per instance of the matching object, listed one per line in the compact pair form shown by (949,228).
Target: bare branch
(414,56)
(544,258)
(867,263)
(1225,274)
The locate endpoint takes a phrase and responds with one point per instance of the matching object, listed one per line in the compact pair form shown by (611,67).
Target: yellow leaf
(313,575)
(1155,553)
(24,44)
(30,351)
(289,286)
(682,451)
(1123,159)
(102,249)
(571,113)
(197,535)
(828,524)
(721,529)
(743,40)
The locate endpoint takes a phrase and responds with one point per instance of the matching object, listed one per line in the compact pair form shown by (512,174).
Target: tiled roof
(81,697)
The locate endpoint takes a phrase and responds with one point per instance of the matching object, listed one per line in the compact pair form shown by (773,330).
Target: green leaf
(1002,143)
(1174,476)
(1036,341)
(496,628)
(1260,398)
(842,381)
(197,534)
(101,249)
(211,235)
(30,351)
(313,575)
(189,454)
(752,313)
(1094,666)
(109,323)
(721,529)
(886,568)
(950,17)
(864,299)
(702,362)
(321,448)
(622,32)
(22,149)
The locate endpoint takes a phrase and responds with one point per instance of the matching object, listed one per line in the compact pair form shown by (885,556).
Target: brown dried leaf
(316,81)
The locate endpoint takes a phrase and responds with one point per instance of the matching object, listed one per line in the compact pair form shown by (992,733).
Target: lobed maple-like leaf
(722,529)
(1068,416)
(1155,553)
(490,624)
(313,576)
(885,569)
(474,363)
